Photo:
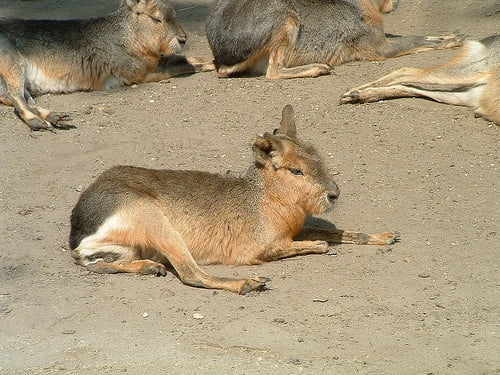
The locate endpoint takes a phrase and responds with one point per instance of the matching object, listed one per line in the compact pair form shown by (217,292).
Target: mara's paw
(351,96)
(391,237)
(447,41)
(58,120)
(384,238)
(201,65)
(322,69)
(319,247)
(37,124)
(156,269)
(256,283)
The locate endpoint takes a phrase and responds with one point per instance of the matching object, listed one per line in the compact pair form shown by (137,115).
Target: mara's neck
(279,208)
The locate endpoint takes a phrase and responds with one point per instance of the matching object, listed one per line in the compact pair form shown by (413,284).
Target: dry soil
(427,305)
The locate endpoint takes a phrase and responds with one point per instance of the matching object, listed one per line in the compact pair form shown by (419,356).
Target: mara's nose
(332,197)
(181,39)
(333,194)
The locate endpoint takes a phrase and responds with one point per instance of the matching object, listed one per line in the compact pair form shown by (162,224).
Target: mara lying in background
(471,79)
(304,38)
(137,43)
(141,220)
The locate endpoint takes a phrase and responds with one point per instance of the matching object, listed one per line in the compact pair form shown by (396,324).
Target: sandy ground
(427,305)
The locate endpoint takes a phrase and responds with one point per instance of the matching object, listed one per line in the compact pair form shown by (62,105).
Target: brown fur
(142,220)
(471,79)
(135,44)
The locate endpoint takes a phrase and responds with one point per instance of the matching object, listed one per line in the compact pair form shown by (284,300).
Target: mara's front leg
(338,236)
(175,65)
(292,249)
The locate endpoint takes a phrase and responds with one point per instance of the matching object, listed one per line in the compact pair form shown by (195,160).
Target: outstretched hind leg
(414,82)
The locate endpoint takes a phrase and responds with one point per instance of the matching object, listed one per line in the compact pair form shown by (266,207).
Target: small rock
(424,275)
(198,316)
(320,299)
(279,320)
(293,361)
(145,315)
(69,332)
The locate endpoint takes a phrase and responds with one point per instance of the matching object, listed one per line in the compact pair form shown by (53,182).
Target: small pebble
(198,316)
(320,299)
(279,320)
(68,332)
(424,275)
(145,315)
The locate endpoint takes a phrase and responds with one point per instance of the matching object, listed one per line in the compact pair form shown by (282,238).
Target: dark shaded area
(191,14)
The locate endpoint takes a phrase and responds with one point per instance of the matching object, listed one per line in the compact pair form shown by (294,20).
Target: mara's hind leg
(15,97)
(280,48)
(153,232)
(12,86)
(168,242)
(107,258)
(411,82)
(397,45)
(56,119)
(142,267)
(271,59)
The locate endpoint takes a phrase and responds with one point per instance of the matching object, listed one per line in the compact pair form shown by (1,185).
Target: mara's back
(46,37)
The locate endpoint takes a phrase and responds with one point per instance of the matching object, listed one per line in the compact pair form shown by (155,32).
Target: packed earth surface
(426,305)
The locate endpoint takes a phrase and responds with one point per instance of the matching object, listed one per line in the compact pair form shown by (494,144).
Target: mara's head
(292,169)
(156,25)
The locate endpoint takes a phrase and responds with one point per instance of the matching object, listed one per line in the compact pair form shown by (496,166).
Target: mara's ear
(136,5)
(287,125)
(266,147)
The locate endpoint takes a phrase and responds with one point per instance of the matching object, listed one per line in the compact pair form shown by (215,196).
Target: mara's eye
(296,172)
(156,19)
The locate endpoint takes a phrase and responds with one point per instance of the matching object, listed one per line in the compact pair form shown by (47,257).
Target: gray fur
(305,32)
(137,43)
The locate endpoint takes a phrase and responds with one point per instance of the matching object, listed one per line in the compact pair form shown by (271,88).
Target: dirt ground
(426,305)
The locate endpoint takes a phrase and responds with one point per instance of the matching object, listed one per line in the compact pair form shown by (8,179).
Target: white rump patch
(91,244)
